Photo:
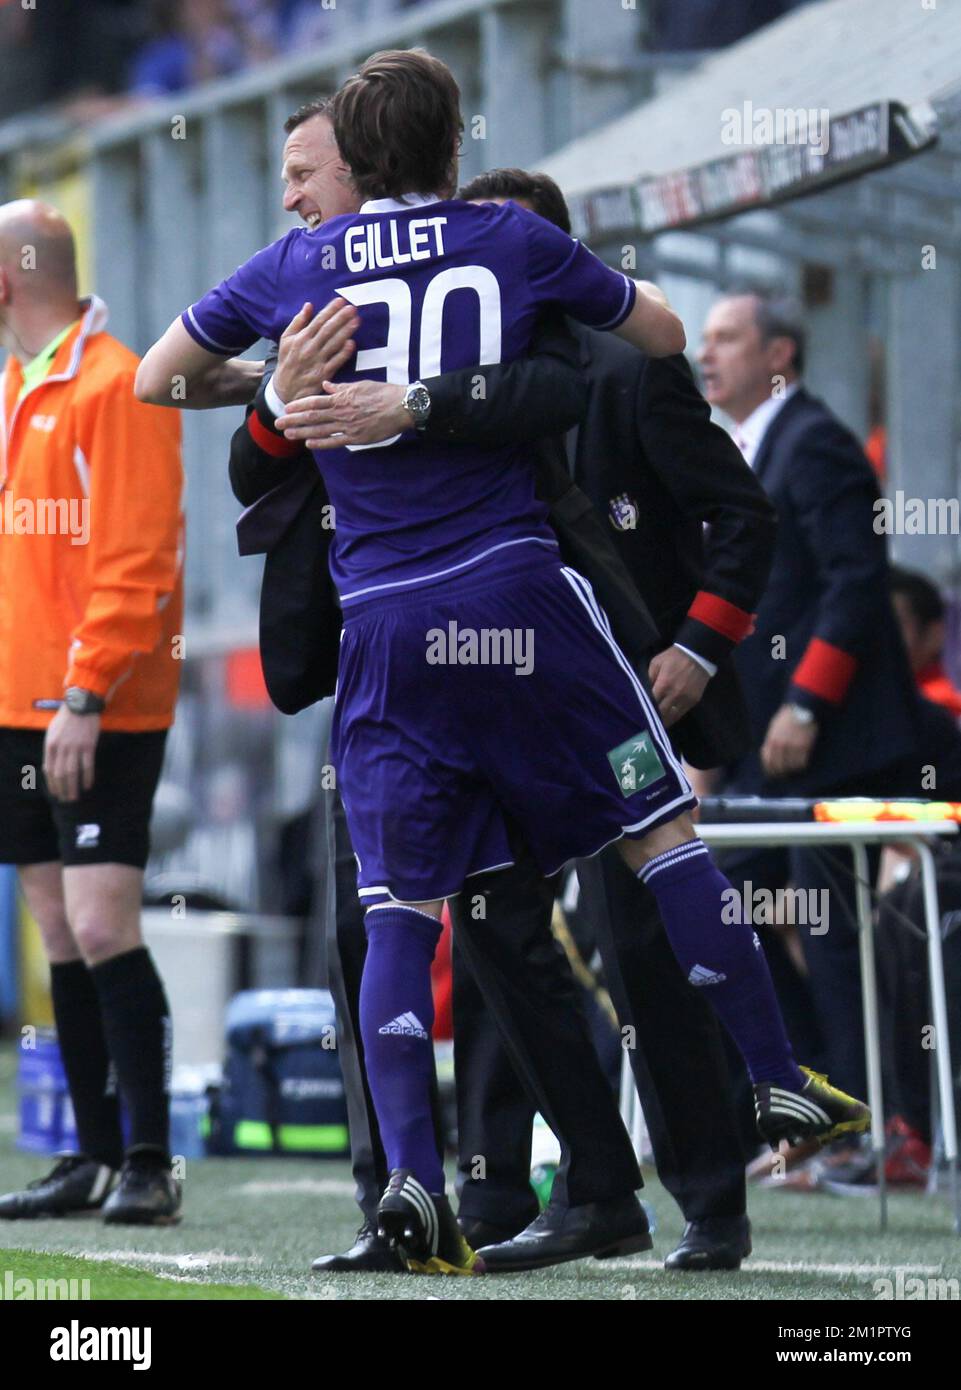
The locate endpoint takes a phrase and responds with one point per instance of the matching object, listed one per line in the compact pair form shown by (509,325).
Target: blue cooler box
(282,1091)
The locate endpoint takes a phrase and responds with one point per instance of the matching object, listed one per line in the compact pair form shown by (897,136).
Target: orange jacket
(91,538)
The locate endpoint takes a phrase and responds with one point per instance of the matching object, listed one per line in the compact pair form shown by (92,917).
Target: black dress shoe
(75,1184)
(478,1232)
(717,1242)
(369,1254)
(147,1193)
(616,1227)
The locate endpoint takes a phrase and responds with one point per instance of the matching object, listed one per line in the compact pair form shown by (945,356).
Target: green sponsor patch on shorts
(636,764)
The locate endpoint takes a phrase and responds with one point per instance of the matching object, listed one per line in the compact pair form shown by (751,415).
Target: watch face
(417,401)
(80,701)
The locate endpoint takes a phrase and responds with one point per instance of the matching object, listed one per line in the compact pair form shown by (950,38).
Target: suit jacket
(657,468)
(285,501)
(300,616)
(826,635)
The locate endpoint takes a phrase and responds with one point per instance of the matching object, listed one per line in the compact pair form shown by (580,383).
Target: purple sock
(396,1017)
(721,953)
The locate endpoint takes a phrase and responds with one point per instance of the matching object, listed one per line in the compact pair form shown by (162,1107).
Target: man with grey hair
(826,677)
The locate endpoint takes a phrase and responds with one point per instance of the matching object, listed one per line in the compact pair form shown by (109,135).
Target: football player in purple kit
(478,675)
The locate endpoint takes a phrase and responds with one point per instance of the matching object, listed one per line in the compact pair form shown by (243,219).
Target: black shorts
(109,824)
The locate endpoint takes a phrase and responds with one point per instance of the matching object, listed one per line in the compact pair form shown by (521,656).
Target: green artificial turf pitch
(30,1274)
(252,1226)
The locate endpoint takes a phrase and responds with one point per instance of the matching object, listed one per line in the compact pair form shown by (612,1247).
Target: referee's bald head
(37,254)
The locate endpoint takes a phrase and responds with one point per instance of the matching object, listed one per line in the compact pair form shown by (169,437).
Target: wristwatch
(80,701)
(801,714)
(417,403)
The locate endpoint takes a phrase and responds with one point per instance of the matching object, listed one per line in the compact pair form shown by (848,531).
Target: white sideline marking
(753,1266)
(317,1187)
(163,1257)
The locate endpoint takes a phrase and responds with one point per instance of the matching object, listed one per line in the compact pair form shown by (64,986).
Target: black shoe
(75,1184)
(605,1229)
(478,1232)
(369,1254)
(147,1193)
(819,1111)
(423,1229)
(716,1242)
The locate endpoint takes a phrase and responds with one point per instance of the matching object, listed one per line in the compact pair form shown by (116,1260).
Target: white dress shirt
(749,434)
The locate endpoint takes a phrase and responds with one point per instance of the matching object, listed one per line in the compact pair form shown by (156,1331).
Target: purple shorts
(502,694)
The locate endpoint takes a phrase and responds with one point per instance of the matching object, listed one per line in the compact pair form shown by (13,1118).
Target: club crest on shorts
(623,512)
(636,764)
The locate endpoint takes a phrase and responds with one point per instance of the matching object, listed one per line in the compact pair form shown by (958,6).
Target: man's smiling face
(317,186)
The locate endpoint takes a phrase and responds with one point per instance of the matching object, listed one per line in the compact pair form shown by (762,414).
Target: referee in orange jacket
(91,605)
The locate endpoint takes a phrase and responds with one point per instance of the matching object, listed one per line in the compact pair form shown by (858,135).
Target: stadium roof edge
(803,61)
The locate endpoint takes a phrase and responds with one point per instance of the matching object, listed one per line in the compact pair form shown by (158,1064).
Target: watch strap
(81,701)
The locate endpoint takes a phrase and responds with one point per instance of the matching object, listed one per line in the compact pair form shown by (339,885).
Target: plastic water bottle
(542,1181)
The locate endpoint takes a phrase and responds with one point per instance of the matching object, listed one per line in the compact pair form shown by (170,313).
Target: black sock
(136,1024)
(76,1011)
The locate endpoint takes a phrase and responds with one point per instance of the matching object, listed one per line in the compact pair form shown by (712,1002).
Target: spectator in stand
(59,51)
(921,612)
(197,41)
(303,22)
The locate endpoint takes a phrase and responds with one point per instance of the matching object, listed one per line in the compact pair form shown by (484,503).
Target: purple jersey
(440,286)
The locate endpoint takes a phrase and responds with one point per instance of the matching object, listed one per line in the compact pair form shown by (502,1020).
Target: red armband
(825,670)
(269,440)
(723,617)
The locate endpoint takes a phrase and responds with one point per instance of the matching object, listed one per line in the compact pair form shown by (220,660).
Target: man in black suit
(830,696)
(656,469)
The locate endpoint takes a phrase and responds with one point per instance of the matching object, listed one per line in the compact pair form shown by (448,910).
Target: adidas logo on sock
(700,975)
(405,1025)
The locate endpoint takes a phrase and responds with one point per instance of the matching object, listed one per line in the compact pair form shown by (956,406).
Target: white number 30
(393,356)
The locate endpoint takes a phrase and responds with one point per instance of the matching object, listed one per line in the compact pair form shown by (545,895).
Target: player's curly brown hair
(398,124)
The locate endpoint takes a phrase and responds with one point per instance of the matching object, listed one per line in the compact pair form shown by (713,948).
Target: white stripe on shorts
(598,617)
